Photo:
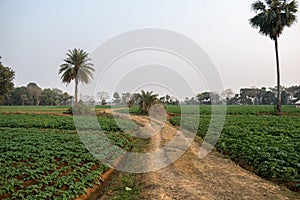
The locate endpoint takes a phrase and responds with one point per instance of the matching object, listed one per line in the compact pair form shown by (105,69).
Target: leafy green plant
(270,144)
(46,161)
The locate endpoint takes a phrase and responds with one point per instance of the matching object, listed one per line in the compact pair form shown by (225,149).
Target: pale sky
(35,35)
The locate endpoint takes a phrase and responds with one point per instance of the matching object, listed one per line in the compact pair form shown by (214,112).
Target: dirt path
(211,178)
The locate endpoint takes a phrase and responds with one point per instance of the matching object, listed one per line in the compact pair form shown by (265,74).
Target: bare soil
(213,177)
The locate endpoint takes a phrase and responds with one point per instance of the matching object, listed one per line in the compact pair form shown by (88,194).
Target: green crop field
(230,109)
(31,109)
(42,156)
(268,145)
(61,122)
(41,109)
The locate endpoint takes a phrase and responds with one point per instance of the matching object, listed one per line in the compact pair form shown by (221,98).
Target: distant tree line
(247,96)
(264,96)
(32,94)
(131,99)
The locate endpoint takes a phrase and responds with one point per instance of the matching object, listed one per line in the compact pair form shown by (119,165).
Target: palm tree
(76,67)
(147,100)
(272,16)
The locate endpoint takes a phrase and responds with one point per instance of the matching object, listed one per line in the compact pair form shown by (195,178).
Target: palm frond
(63,68)
(258,6)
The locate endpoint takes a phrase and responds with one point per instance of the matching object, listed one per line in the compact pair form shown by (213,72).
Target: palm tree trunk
(278,78)
(76,91)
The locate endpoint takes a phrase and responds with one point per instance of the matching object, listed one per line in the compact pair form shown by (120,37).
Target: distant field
(230,109)
(41,109)
(27,109)
(176,109)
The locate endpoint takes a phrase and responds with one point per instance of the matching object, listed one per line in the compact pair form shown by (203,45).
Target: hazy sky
(35,35)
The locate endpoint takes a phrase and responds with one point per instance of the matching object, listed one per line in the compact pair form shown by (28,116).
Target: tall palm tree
(76,67)
(147,99)
(272,16)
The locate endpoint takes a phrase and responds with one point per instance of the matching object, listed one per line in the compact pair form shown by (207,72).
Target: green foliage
(33,109)
(270,144)
(45,163)
(33,95)
(273,15)
(51,163)
(132,110)
(147,99)
(56,97)
(76,66)
(231,109)
(62,122)
(6,81)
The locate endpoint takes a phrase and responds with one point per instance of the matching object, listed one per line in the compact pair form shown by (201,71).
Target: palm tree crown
(76,67)
(273,15)
(147,100)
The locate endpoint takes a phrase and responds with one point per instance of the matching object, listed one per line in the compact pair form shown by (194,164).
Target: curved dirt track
(211,178)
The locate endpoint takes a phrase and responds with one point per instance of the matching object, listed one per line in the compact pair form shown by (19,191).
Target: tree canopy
(76,67)
(7,76)
(273,15)
(147,99)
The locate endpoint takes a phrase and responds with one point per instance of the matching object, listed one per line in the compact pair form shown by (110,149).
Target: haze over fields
(36,35)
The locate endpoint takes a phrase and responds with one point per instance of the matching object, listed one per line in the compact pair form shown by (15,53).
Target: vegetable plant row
(31,109)
(268,144)
(230,109)
(48,164)
(63,122)
(41,109)
(42,156)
